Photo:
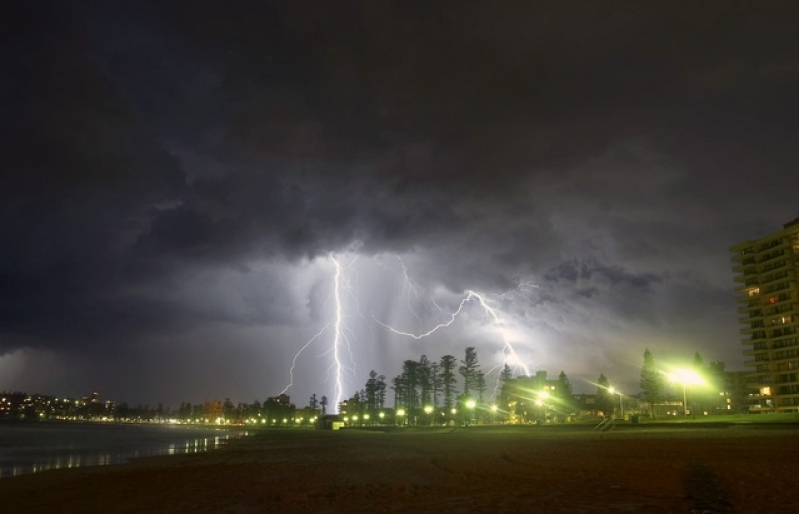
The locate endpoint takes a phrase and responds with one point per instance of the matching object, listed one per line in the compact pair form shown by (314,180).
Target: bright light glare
(470,404)
(687,377)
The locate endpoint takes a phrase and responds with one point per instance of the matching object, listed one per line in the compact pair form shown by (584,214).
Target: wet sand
(714,469)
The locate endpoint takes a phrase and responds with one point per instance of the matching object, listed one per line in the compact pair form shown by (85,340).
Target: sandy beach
(735,468)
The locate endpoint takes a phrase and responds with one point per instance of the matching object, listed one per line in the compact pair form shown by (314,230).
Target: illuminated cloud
(174,185)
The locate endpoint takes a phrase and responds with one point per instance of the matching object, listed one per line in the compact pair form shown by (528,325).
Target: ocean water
(35,447)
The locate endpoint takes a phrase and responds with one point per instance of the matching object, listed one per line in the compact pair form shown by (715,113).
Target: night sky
(179,176)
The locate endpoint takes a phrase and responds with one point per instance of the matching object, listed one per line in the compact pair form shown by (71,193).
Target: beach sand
(736,468)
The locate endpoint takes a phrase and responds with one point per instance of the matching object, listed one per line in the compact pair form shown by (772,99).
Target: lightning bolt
(341,333)
(340,330)
(297,355)
(508,348)
(337,330)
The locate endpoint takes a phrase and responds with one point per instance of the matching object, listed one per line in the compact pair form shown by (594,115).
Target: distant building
(730,390)
(530,399)
(768,296)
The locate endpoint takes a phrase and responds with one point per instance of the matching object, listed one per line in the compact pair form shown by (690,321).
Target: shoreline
(451,469)
(36,448)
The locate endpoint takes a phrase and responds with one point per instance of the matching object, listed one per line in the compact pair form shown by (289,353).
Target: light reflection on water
(35,448)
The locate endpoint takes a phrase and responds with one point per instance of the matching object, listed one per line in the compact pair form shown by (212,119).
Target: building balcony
(750,317)
(746,287)
(751,304)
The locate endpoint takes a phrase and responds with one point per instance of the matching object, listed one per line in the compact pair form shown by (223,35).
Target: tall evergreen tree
(398,385)
(371,392)
(381,391)
(425,381)
(506,377)
(506,374)
(469,368)
(699,363)
(480,385)
(410,373)
(435,369)
(604,400)
(701,397)
(564,393)
(651,382)
(447,375)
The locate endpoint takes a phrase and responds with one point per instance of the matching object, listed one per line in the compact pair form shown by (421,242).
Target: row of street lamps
(682,376)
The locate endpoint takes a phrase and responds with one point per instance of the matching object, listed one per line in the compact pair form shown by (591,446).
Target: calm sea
(35,447)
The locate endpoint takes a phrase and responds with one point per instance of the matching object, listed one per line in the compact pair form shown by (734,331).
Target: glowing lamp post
(427,410)
(470,405)
(612,391)
(400,414)
(541,402)
(686,377)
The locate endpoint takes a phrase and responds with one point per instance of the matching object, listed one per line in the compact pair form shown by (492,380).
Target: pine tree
(435,377)
(604,400)
(506,374)
(447,375)
(651,382)
(469,369)
(425,381)
(564,393)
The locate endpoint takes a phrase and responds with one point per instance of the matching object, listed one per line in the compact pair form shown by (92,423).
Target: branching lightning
(492,313)
(337,330)
(341,332)
(296,356)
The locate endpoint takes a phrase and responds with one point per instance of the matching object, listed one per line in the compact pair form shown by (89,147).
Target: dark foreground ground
(713,469)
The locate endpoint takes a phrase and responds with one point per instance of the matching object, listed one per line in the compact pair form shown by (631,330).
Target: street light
(427,410)
(470,405)
(686,376)
(400,414)
(541,402)
(612,390)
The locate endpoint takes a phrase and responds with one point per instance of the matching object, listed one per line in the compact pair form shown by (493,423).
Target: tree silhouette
(425,381)
(447,375)
(651,382)
(564,394)
(604,400)
(468,370)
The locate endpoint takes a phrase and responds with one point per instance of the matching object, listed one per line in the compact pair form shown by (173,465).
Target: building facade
(767,292)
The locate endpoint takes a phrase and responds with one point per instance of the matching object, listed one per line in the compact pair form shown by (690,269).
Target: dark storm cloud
(610,152)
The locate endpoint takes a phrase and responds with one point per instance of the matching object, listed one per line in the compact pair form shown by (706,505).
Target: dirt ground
(715,469)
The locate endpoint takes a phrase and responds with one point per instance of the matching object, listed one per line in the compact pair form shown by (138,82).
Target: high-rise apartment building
(766,272)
